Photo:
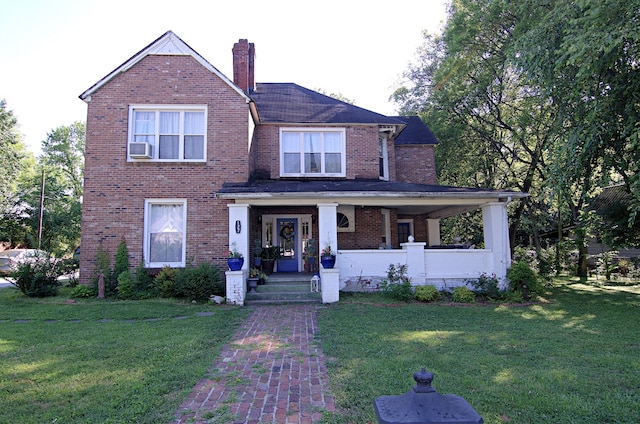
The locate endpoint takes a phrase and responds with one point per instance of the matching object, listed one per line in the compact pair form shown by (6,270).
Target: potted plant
(327,257)
(262,278)
(254,277)
(235,260)
(311,252)
(269,256)
(257,251)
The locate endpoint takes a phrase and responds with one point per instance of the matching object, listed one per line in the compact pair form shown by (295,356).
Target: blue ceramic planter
(328,262)
(235,264)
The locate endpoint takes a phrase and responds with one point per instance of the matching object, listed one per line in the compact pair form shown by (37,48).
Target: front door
(287,231)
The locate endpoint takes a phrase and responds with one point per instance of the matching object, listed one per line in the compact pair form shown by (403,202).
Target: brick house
(183,162)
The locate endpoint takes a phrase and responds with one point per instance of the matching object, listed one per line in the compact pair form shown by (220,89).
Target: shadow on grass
(574,356)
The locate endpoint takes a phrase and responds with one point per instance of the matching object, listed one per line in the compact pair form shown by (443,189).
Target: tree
(542,97)
(62,162)
(585,55)
(15,162)
(493,127)
(11,151)
(337,96)
(63,149)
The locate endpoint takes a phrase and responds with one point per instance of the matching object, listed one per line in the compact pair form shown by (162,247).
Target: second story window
(383,158)
(167,133)
(312,152)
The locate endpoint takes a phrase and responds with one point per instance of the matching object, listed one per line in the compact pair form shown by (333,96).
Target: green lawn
(572,358)
(104,361)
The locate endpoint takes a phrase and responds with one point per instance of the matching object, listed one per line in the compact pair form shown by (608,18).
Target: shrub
(165,282)
(37,276)
(427,293)
(199,283)
(605,263)
(82,291)
(523,279)
(126,286)
(486,286)
(122,259)
(462,294)
(144,282)
(103,266)
(398,284)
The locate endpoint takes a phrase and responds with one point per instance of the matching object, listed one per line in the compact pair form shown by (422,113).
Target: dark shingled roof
(416,132)
(291,103)
(357,185)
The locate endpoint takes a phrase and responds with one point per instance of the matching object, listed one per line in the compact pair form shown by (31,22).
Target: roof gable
(416,132)
(167,44)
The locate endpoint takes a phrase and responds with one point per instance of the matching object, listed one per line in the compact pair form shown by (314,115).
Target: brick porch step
(283,288)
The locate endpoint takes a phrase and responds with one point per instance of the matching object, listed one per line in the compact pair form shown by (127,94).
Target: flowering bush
(37,275)
(326,251)
(233,253)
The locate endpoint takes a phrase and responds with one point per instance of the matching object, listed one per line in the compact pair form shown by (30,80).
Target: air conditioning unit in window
(138,150)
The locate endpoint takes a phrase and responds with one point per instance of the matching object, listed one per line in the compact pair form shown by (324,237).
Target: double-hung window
(383,158)
(164,232)
(167,133)
(312,152)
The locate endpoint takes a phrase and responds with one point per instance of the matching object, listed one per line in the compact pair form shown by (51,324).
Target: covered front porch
(367,231)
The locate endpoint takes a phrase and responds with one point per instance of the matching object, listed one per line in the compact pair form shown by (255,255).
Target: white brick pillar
(236,288)
(496,237)
(416,265)
(330,285)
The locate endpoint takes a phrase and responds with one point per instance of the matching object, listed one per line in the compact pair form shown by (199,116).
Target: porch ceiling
(411,199)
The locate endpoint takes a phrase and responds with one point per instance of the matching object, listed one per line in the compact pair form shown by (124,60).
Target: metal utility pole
(41,211)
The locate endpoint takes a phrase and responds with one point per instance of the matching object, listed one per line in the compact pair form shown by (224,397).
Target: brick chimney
(244,55)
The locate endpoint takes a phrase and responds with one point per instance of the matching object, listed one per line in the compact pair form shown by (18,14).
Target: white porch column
(328,235)
(239,230)
(433,231)
(416,264)
(328,226)
(236,287)
(496,237)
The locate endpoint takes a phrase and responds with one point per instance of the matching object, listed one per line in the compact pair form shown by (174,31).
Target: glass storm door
(404,229)
(288,241)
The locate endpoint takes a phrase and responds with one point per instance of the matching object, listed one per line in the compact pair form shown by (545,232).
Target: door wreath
(287,232)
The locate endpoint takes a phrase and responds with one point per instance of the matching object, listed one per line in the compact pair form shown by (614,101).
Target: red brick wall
(115,189)
(368,233)
(416,164)
(361,153)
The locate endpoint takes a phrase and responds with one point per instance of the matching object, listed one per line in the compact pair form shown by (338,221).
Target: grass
(573,358)
(104,361)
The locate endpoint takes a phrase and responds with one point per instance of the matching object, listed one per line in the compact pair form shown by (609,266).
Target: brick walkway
(270,372)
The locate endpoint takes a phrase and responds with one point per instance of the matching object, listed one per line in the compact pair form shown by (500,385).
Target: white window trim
(407,221)
(165,108)
(145,245)
(349,212)
(343,152)
(386,228)
(385,157)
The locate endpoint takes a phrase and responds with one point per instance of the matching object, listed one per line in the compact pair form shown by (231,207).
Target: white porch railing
(363,270)
(444,268)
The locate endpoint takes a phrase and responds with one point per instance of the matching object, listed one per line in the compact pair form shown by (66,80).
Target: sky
(52,51)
